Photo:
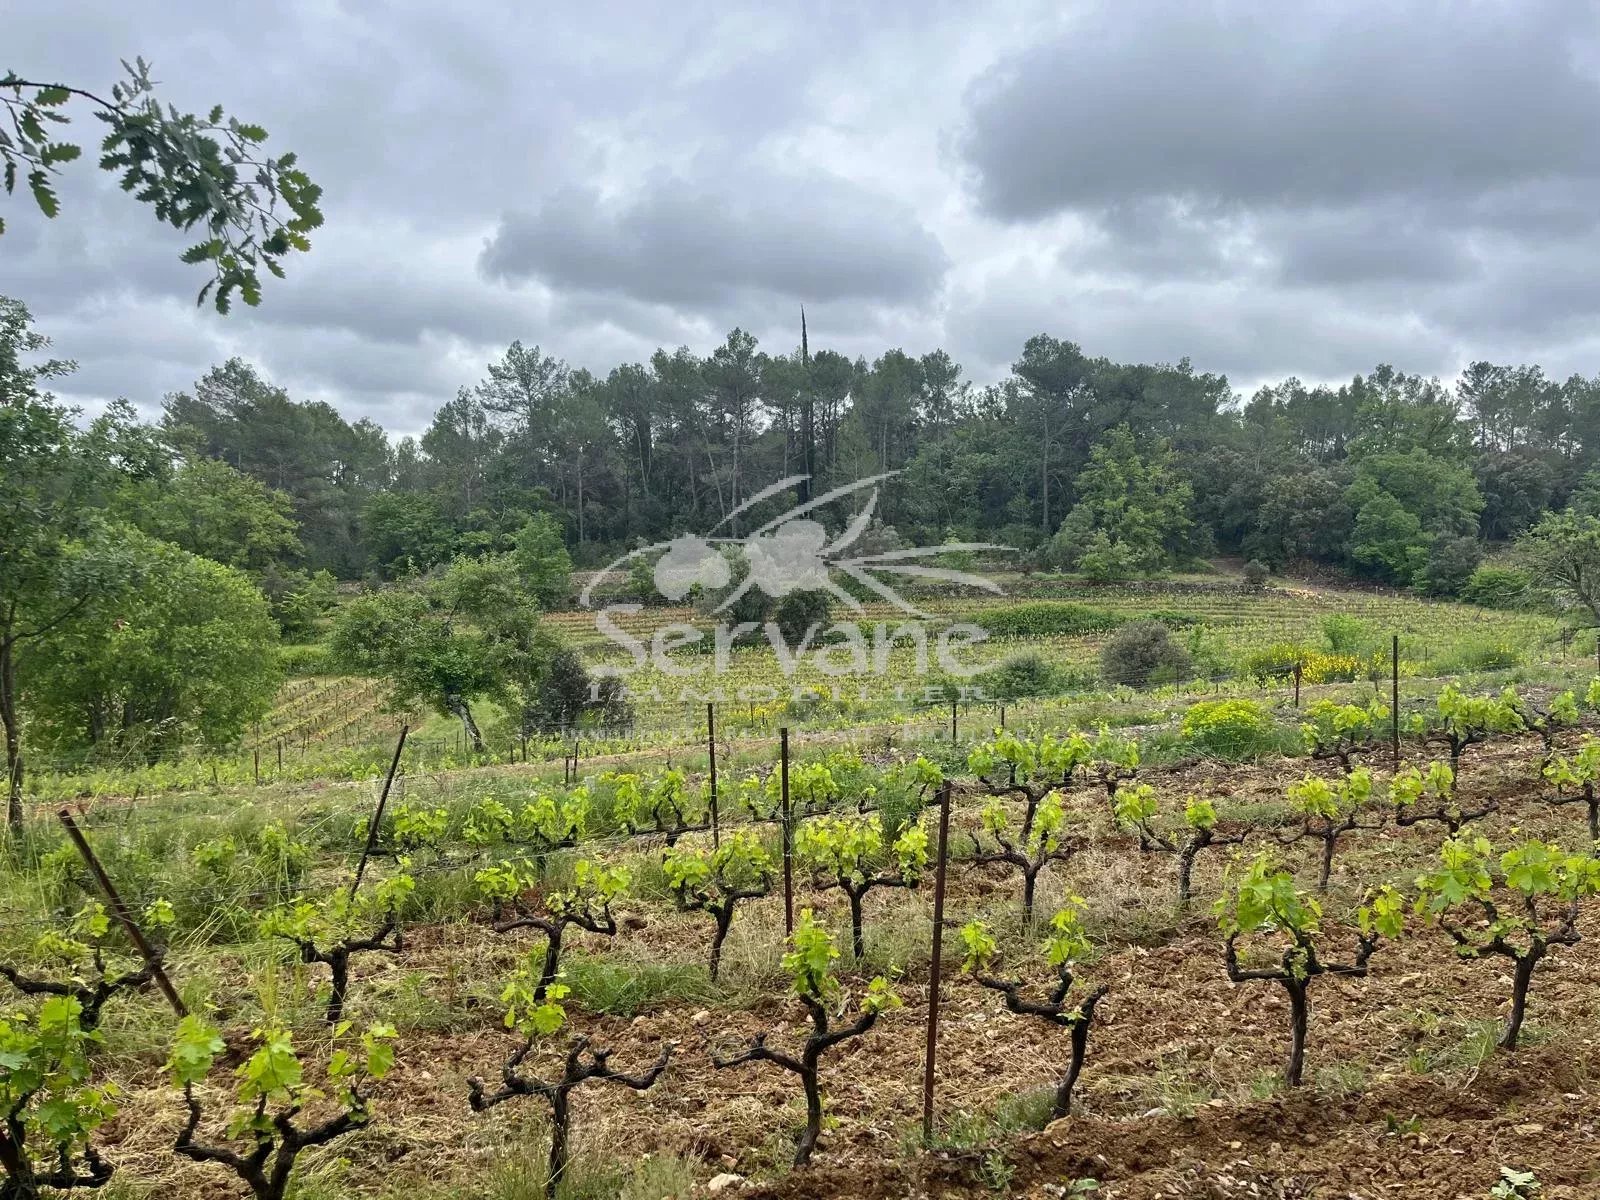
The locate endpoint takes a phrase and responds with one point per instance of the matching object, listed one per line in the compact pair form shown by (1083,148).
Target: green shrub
(1024,675)
(1345,634)
(1496,587)
(1228,728)
(305,660)
(1256,574)
(799,611)
(1172,618)
(1273,662)
(1045,618)
(1487,654)
(1143,654)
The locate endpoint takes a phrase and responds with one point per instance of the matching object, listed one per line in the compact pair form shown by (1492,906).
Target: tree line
(1083,463)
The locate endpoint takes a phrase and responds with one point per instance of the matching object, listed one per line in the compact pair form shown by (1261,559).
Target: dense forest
(1395,477)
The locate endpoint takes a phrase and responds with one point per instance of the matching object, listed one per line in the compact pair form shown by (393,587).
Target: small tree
(1268,906)
(1518,907)
(1136,808)
(1431,796)
(337,926)
(534,1011)
(1142,653)
(1340,732)
(272,1091)
(715,881)
(1256,573)
(810,964)
(1329,809)
(82,951)
(48,1107)
(587,904)
(848,853)
(1068,944)
(1575,778)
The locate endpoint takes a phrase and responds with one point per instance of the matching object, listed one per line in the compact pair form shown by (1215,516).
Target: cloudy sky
(1266,188)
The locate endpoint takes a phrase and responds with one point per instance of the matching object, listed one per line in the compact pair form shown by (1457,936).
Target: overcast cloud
(1266,189)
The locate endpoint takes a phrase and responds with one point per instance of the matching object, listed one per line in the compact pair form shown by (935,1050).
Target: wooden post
(788,833)
(953,725)
(256,759)
(1002,716)
(135,934)
(711,753)
(1297,683)
(932,1057)
(377,815)
(1394,701)
(280,756)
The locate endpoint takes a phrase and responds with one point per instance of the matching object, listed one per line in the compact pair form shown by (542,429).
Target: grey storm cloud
(698,245)
(1265,189)
(1293,105)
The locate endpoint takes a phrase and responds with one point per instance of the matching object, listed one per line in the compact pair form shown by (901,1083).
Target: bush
(1496,587)
(305,660)
(1273,662)
(1256,574)
(1142,654)
(1024,675)
(1172,618)
(1045,618)
(1451,563)
(1345,635)
(1228,728)
(1487,655)
(799,611)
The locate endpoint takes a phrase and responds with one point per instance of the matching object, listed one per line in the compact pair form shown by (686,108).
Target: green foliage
(1491,586)
(543,562)
(739,864)
(1333,730)
(1024,675)
(1132,510)
(1330,800)
(208,508)
(533,1008)
(803,611)
(1410,787)
(809,961)
(1266,900)
(252,210)
(1274,661)
(1469,871)
(1233,728)
(48,1101)
(334,918)
(1143,654)
(664,802)
(1045,618)
(185,654)
(1562,555)
(1515,1185)
(274,1075)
